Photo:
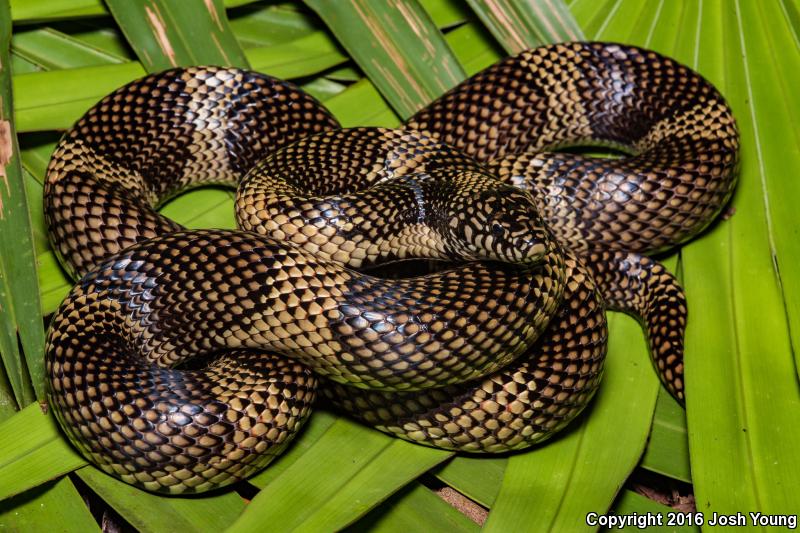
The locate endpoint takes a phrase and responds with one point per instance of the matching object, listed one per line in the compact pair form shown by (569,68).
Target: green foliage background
(373,62)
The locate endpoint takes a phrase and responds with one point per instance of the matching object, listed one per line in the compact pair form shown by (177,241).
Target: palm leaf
(169,33)
(32,451)
(374,63)
(746,364)
(49,504)
(148,512)
(518,26)
(668,448)
(20,312)
(397,45)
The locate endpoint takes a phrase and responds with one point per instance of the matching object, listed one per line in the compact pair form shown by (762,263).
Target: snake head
(499,224)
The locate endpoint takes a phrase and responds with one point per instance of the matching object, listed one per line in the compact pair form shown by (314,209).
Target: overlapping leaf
(738,367)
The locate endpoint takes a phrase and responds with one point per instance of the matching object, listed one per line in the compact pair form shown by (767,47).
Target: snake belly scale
(186,360)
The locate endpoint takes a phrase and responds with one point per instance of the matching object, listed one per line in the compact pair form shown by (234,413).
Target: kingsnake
(186,360)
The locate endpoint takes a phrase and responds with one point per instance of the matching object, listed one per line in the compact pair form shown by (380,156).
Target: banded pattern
(365,196)
(155,138)
(177,431)
(682,168)
(162,302)
(682,134)
(643,288)
(451,359)
(527,402)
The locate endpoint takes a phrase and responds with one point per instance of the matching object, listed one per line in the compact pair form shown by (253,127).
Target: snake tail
(643,288)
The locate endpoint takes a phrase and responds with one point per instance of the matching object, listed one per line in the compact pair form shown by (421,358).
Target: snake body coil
(455,359)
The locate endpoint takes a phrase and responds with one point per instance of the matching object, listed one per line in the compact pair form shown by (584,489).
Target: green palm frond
(375,63)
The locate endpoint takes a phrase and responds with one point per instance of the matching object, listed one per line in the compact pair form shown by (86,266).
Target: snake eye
(497,229)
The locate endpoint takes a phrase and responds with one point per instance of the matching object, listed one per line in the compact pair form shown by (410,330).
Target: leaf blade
(169,33)
(397,45)
(19,291)
(32,451)
(518,26)
(345,473)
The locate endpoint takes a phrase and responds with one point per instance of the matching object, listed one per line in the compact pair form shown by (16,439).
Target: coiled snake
(492,354)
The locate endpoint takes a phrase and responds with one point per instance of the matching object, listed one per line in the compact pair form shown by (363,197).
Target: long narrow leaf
(51,49)
(519,25)
(772,52)
(55,9)
(55,505)
(446,13)
(169,33)
(19,292)
(44,10)
(397,45)
(100,34)
(345,473)
(282,23)
(32,451)
(412,508)
(667,450)
(479,478)
(743,402)
(154,513)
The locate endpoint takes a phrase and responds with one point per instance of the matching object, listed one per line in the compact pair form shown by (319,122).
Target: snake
(186,360)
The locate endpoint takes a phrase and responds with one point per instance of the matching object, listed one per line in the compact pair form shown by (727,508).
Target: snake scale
(187,360)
